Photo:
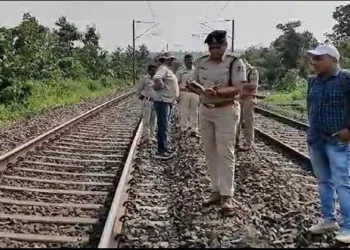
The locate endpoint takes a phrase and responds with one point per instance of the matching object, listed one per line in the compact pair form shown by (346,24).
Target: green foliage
(287,97)
(31,52)
(57,93)
(341,30)
(283,65)
(291,81)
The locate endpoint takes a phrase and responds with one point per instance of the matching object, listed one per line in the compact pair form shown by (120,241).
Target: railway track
(56,190)
(286,132)
(81,186)
(158,204)
(162,201)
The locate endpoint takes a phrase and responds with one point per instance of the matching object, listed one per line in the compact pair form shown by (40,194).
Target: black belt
(149,99)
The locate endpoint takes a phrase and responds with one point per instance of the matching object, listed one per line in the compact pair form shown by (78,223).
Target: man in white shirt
(189,101)
(167,90)
(146,93)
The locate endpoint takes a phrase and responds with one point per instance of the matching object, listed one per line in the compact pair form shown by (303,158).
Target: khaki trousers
(218,129)
(189,109)
(149,119)
(247,117)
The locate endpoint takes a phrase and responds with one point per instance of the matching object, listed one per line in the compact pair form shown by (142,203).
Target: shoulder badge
(240,67)
(202,58)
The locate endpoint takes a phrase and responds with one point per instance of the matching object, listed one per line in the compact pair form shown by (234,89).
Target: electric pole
(134,38)
(233,36)
(133,52)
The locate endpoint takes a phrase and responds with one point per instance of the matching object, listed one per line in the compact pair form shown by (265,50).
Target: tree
(341,30)
(91,37)
(31,51)
(292,45)
(67,34)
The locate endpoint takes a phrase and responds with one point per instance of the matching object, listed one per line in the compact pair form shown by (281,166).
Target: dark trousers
(163,111)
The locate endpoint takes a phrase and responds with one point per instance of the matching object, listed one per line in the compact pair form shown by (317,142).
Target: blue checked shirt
(327,112)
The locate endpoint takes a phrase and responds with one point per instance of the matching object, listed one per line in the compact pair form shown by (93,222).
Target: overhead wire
(151,9)
(146,31)
(210,10)
(160,31)
(223,8)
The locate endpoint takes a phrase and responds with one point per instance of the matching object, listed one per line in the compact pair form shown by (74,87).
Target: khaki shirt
(171,88)
(253,79)
(145,87)
(183,74)
(209,73)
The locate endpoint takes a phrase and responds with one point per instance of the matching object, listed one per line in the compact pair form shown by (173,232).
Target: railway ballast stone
(275,200)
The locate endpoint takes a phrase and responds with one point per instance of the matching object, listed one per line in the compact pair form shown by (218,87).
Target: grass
(46,96)
(284,97)
(294,103)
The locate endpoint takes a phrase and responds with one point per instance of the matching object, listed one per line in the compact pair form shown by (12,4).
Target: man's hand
(158,86)
(217,86)
(344,135)
(183,88)
(195,87)
(210,92)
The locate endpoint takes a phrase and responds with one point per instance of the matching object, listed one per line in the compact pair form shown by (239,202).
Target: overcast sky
(255,21)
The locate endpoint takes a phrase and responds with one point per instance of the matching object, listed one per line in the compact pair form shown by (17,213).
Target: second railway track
(288,133)
(58,194)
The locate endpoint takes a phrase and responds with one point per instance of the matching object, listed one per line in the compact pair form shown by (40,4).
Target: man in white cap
(328,106)
(167,90)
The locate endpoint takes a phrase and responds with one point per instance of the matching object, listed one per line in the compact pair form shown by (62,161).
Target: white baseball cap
(325,49)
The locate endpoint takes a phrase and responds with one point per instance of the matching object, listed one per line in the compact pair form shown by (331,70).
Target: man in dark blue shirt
(328,138)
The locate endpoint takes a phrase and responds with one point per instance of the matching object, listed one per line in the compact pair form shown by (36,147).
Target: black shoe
(163,156)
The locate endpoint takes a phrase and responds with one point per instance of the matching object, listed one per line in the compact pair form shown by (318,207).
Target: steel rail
(282,118)
(285,120)
(12,155)
(113,224)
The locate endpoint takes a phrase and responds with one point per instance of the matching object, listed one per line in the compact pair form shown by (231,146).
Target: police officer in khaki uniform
(146,93)
(218,79)
(248,103)
(189,101)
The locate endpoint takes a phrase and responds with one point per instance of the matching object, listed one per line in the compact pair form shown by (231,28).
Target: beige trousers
(149,119)
(218,129)
(189,109)
(247,116)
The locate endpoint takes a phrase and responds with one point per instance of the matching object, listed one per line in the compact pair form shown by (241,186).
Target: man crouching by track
(146,94)
(167,90)
(328,106)
(218,79)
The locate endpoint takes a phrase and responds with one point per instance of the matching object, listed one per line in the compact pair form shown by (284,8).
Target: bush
(291,81)
(55,94)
